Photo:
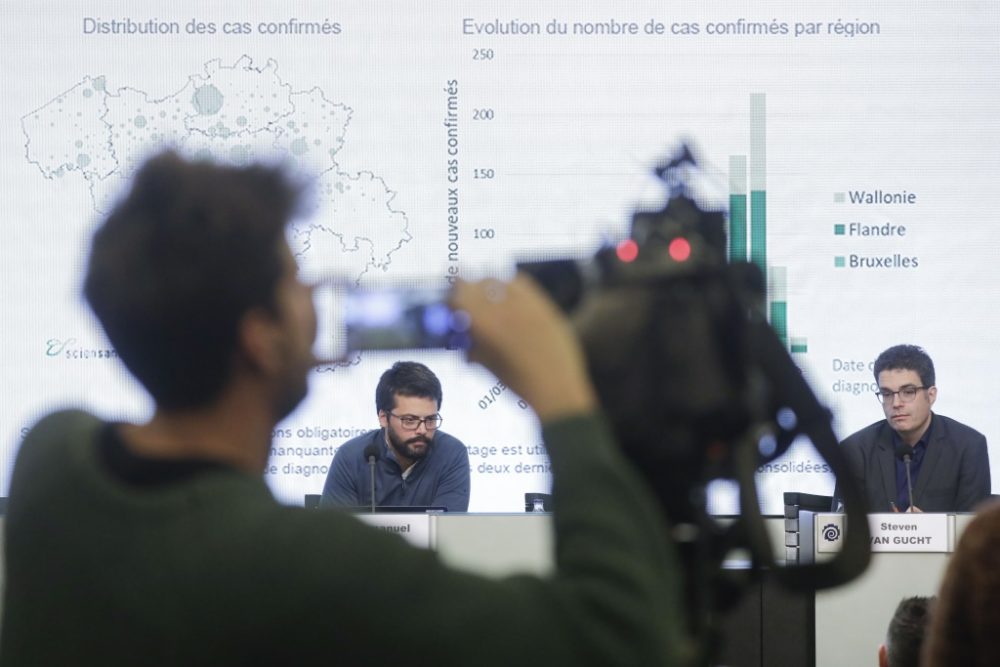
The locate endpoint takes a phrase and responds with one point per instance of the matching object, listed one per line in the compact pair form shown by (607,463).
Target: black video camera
(699,387)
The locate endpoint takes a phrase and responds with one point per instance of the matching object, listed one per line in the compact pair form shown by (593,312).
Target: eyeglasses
(412,423)
(906,394)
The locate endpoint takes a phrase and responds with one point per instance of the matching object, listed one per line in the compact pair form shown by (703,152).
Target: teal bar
(758,229)
(779,320)
(737,228)
(799,345)
(737,208)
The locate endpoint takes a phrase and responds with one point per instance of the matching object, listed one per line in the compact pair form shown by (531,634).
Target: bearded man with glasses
(949,462)
(417,465)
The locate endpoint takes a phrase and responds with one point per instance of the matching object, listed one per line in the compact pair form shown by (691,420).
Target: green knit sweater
(211,570)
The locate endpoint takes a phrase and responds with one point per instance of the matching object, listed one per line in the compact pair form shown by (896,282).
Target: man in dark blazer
(949,462)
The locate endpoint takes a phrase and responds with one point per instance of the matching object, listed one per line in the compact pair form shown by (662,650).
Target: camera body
(698,387)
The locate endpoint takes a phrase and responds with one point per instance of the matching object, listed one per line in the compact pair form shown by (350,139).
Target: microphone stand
(905,453)
(907,458)
(371,471)
(372,453)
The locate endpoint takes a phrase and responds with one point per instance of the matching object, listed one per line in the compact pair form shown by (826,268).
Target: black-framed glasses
(412,422)
(906,394)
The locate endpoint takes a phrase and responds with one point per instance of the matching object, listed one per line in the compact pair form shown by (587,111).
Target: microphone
(372,453)
(905,452)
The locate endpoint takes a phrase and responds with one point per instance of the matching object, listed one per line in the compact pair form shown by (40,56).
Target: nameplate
(895,533)
(918,532)
(414,528)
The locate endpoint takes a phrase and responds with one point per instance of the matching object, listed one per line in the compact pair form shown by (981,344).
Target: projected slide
(854,146)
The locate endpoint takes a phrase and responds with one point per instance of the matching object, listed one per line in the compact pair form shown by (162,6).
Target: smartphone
(352,319)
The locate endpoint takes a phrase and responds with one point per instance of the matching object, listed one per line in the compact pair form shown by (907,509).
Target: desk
(770,627)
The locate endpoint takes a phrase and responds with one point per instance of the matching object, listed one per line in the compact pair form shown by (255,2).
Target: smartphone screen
(355,319)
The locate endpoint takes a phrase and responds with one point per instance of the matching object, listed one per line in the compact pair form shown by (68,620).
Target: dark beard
(404,448)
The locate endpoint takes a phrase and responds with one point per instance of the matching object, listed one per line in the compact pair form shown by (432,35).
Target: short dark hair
(909,358)
(906,632)
(176,264)
(406,378)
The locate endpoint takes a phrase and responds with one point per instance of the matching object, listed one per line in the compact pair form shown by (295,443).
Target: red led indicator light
(679,249)
(627,250)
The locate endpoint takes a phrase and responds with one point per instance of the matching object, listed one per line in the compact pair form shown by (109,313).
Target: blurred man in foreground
(160,544)
(905,636)
(965,627)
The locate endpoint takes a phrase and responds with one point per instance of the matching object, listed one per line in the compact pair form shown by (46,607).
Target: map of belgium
(234,114)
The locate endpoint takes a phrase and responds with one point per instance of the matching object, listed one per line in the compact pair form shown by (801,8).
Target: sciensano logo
(69,348)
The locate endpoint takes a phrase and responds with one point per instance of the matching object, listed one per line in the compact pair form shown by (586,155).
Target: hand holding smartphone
(351,319)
